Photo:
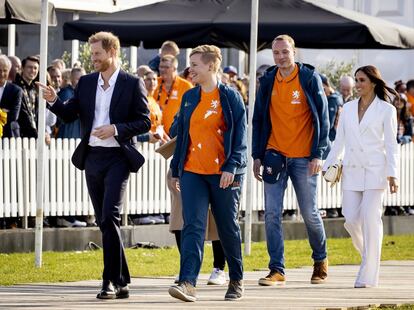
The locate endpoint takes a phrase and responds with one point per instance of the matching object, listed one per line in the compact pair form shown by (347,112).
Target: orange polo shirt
(170,102)
(291,117)
(155,113)
(205,153)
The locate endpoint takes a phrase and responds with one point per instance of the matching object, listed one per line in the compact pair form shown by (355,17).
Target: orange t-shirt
(205,153)
(410,99)
(291,117)
(170,102)
(155,113)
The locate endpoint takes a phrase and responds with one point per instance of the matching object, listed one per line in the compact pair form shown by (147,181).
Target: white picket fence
(66,192)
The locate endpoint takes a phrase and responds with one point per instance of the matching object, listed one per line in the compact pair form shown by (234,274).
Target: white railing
(66,192)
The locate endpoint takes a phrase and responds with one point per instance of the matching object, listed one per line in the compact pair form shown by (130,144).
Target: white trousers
(362,212)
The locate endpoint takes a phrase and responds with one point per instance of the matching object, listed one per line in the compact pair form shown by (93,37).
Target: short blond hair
(285,37)
(108,39)
(209,53)
(171,46)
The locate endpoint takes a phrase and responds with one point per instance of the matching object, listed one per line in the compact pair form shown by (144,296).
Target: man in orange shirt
(170,90)
(290,136)
(410,94)
(168,94)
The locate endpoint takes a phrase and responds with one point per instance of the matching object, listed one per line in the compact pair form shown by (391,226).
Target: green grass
(75,266)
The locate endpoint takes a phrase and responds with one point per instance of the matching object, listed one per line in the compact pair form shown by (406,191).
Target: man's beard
(104,65)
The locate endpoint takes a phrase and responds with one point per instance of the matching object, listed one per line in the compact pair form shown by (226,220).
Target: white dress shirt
(102,105)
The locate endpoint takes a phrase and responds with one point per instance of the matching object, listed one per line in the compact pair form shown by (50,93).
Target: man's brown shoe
(272,279)
(320,272)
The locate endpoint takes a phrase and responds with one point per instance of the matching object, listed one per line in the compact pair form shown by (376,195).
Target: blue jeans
(197,192)
(305,189)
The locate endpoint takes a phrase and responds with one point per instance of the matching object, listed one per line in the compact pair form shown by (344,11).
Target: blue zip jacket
(334,104)
(312,86)
(235,137)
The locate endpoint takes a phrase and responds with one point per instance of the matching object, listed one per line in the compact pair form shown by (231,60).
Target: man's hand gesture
(49,93)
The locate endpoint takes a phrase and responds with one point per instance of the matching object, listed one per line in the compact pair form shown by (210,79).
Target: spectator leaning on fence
(290,136)
(366,136)
(29,107)
(28,112)
(10,100)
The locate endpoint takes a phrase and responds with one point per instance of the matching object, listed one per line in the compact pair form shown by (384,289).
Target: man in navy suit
(10,99)
(112,108)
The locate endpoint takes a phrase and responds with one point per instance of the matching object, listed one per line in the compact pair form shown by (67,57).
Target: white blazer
(369,149)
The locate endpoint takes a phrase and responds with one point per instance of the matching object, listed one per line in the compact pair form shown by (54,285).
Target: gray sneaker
(235,290)
(184,291)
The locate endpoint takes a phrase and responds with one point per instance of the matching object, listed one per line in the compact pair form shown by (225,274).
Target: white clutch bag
(333,174)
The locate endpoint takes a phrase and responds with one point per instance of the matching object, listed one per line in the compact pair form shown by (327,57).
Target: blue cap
(230,69)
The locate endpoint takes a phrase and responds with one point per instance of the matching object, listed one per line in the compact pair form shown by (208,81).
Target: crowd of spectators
(19,111)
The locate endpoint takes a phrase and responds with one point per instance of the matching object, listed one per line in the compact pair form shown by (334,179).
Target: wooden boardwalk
(397,287)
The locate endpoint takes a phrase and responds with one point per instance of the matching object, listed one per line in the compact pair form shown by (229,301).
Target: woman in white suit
(366,139)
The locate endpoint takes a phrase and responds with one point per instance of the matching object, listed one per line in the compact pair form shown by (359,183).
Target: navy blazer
(12,101)
(128,112)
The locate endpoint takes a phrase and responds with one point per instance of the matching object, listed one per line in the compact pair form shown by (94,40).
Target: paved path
(397,287)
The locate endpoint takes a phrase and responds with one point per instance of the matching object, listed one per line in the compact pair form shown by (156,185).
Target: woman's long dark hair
(381,89)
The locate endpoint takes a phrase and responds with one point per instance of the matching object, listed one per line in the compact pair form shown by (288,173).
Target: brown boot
(272,279)
(320,272)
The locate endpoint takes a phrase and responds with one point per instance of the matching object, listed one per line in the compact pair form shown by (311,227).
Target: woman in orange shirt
(210,160)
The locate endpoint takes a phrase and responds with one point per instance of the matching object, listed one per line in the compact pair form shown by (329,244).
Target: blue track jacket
(312,86)
(235,137)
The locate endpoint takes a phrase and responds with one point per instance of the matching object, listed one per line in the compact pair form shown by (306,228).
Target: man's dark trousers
(107,173)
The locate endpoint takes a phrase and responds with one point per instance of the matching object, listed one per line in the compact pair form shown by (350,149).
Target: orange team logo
(295,97)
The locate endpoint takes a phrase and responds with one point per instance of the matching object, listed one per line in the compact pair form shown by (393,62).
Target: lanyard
(168,94)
